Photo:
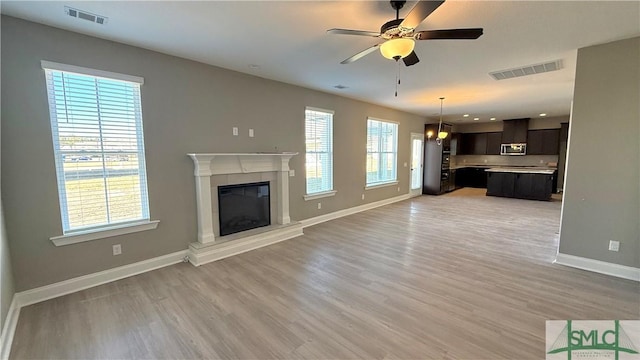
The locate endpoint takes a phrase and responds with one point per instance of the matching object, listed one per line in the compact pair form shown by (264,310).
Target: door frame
(418,191)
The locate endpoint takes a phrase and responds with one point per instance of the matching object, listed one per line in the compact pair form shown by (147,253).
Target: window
(382,152)
(96,123)
(319,150)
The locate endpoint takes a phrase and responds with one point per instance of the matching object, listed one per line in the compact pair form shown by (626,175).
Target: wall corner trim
(9,328)
(602,267)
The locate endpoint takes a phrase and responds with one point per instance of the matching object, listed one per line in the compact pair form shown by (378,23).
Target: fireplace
(220,177)
(243,207)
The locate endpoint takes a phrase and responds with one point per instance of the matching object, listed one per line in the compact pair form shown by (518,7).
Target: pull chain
(397,77)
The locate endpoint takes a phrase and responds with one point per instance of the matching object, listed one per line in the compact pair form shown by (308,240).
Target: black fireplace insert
(243,207)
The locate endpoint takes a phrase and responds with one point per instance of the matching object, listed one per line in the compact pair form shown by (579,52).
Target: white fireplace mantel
(207,165)
(240,163)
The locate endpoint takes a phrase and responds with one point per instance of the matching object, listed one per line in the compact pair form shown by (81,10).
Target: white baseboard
(9,328)
(602,267)
(202,255)
(51,291)
(353,210)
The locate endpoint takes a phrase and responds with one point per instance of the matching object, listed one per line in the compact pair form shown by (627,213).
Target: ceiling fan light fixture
(397,48)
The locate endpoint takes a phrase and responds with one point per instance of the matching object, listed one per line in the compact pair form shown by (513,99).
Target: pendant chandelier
(441,134)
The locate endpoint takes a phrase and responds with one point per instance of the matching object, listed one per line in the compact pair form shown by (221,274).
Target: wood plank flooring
(460,276)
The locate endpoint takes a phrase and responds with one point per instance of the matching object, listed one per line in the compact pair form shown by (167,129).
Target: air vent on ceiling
(527,70)
(98,19)
(340,87)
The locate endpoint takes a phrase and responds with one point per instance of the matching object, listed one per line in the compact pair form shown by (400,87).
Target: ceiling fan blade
(411,59)
(353,32)
(450,34)
(361,54)
(419,13)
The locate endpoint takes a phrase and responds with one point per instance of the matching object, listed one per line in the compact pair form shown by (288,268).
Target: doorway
(415,188)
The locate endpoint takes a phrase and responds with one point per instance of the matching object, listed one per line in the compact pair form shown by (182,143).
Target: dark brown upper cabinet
(473,144)
(543,142)
(515,131)
(564,132)
(494,140)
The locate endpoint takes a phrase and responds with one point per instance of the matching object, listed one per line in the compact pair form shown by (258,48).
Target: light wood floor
(461,276)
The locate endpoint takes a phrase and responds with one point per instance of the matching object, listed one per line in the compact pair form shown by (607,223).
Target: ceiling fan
(399,34)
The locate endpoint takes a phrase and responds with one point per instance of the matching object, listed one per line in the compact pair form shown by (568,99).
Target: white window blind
(319,150)
(96,123)
(382,152)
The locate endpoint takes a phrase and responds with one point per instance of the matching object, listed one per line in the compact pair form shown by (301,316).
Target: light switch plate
(292,173)
(250,132)
(235,131)
(117,249)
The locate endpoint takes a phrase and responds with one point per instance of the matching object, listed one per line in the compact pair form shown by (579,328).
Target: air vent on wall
(527,70)
(98,19)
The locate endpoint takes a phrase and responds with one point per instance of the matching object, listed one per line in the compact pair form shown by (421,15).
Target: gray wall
(602,194)
(187,107)
(7,288)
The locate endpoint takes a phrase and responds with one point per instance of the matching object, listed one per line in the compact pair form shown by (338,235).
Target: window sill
(319,195)
(105,232)
(380,185)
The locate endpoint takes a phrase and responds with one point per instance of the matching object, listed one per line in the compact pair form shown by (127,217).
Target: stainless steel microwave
(513,149)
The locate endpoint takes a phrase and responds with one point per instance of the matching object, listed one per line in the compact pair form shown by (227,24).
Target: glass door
(416,164)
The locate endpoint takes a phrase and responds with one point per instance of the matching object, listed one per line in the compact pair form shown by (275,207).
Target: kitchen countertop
(523,170)
(454,167)
(485,166)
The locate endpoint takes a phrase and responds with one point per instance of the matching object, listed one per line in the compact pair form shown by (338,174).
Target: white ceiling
(289,43)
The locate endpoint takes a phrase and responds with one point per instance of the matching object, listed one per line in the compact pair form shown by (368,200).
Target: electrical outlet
(362,196)
(250,132)
(614,245)
(398,188)
(405,164)
(541,161)
(117,249)
(319,205)
(485,161)
(235,131)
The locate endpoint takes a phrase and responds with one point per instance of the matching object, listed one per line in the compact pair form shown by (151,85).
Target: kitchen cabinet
(543,142)
(479,144)
(501,184)
(474,177)
(521,185)
(436,161)
(473,144)
(494,140)
(515,131)
(551,142)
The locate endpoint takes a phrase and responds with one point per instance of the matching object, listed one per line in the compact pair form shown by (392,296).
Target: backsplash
(503,160)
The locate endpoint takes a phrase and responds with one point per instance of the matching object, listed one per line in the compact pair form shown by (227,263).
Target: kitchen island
(520,182)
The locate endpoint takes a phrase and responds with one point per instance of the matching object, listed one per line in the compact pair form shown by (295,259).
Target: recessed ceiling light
(543,115)
(465,115)
(492,119)
(476,119)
